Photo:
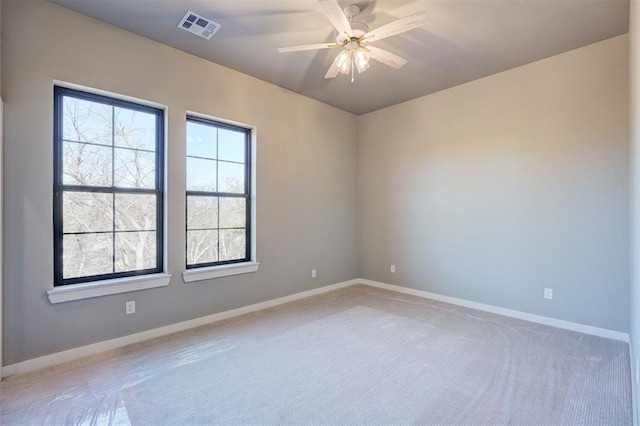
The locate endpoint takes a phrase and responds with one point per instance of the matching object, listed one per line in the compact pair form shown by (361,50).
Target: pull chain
(352,77)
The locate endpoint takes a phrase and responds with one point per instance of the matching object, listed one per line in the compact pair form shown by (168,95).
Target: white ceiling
(464,40)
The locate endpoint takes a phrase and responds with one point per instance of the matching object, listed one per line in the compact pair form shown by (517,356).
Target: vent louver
(198,25)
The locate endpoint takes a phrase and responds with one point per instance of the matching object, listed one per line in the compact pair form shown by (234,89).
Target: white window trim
(81,291)
(211,272)
(93,289)
(86,290)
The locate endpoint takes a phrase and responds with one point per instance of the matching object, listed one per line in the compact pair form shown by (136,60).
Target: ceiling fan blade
(385,57)
(334,13)
(308,47)
(333,71)
(407,23)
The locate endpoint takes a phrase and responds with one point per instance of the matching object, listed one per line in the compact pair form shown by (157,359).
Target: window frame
(59,188)
(247,195)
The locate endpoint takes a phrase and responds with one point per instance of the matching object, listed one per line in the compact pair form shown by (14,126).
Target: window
(218,193)
(108,188)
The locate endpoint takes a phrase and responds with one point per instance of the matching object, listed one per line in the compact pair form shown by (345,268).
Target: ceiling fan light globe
(361,56)
(361,60)
(343,61)
(362,66)
(345,68)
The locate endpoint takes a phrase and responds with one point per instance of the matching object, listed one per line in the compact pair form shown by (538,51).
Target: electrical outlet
(548,293)
(130,307)
(314,273)
(393,269)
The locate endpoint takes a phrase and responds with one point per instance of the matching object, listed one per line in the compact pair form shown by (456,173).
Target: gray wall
(634,122)
(495,189)
(307,200)
(489,191)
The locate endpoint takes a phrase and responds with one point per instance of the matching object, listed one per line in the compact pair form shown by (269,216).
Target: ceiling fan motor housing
(351,12)
(358,28)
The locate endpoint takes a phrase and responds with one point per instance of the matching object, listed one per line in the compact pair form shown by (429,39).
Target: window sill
(71,292)
(219,271)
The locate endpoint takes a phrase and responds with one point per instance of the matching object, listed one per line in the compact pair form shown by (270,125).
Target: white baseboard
(73,354)
(567,325)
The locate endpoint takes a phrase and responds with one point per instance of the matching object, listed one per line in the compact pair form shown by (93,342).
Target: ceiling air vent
(198,25)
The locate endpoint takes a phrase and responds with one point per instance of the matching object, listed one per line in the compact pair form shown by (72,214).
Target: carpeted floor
(360,355)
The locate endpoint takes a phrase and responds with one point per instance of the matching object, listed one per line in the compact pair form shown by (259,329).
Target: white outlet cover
(130,307)
(393,269)
(548,293)
(314,273)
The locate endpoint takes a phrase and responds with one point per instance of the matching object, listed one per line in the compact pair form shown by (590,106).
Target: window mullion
(108,190)
(218,186)
(113,184)
(160,181)
(247,192)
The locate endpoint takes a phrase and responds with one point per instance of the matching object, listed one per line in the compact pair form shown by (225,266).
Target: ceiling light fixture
(353,56)
(355,39)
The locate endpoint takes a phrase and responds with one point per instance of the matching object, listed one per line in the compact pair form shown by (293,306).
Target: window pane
(232,212)
(201,175)
(201,140)
(134,169)
(134,129)
(231,145)
(232,244)
(86,255)
(202,212)
(135,212)
(86,121)
(135,251)
(87,212)
(202,247)
(86,164)
(230,177)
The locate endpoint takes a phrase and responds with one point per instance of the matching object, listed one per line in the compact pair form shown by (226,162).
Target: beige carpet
(355,356)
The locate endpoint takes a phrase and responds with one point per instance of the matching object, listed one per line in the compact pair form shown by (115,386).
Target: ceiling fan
(355,38)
